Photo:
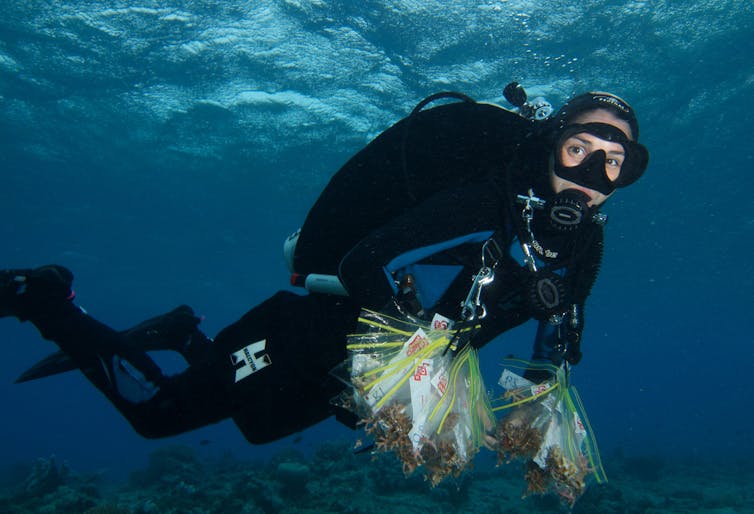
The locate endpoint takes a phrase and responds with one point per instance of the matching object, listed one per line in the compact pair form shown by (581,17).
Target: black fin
(53,364)
(173,330)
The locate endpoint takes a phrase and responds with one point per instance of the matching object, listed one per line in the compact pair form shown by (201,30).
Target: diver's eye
(612,168)
(577,152)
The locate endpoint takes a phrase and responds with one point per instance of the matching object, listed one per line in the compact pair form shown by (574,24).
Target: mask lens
(579,147)
(637,158)
(599,156)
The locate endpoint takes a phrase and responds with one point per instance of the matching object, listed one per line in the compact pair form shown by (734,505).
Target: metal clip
(529,259)
(473,308)
(530,203)
(491,250)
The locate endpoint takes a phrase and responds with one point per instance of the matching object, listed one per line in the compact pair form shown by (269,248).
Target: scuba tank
(312,282)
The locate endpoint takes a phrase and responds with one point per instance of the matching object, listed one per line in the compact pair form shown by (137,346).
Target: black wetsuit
(427,193)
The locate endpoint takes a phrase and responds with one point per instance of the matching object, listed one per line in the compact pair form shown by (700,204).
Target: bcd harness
(545,291)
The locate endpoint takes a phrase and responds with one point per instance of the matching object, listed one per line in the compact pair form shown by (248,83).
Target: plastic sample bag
(415,397)
(546,426)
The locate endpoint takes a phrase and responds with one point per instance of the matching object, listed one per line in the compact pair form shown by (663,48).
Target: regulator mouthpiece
(568,209)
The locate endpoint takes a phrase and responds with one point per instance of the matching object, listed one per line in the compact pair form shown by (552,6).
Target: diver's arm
(558,343)
(443,217)
(582,280)
(435,150)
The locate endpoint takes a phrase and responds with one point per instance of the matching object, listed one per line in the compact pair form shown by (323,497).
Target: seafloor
(333,479)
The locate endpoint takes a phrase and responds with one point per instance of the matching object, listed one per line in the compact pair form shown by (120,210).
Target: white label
(417,341)
(375,394)
(421,397)
(416,434)
(539,388)
(463,435)
(579,431)
(551,439)
(509,380)
(440,322)
(440,381)
(420,387)
(249,360)
(578,426)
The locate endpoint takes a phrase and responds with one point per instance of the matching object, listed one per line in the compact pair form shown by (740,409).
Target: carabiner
(472,308)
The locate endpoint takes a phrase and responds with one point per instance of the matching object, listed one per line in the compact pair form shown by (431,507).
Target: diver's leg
(154,404)
(44,296)
(175,330)
(276,362)
(191,399)
(269,370)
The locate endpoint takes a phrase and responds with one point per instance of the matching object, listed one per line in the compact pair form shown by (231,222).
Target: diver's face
(576,148)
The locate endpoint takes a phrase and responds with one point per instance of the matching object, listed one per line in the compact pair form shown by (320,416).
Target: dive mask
(591,172)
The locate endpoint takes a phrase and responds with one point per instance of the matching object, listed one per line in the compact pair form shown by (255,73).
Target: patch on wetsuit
(248,360)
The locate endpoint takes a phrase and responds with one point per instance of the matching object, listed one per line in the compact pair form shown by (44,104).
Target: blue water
(163,152)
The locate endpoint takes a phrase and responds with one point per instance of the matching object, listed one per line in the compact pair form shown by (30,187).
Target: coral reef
(293,477)
(53,487)
(332,479)
(108,509)
(46,476)
(172,466)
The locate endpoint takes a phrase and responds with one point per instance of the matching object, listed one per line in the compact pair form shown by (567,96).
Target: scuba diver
(466,209)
